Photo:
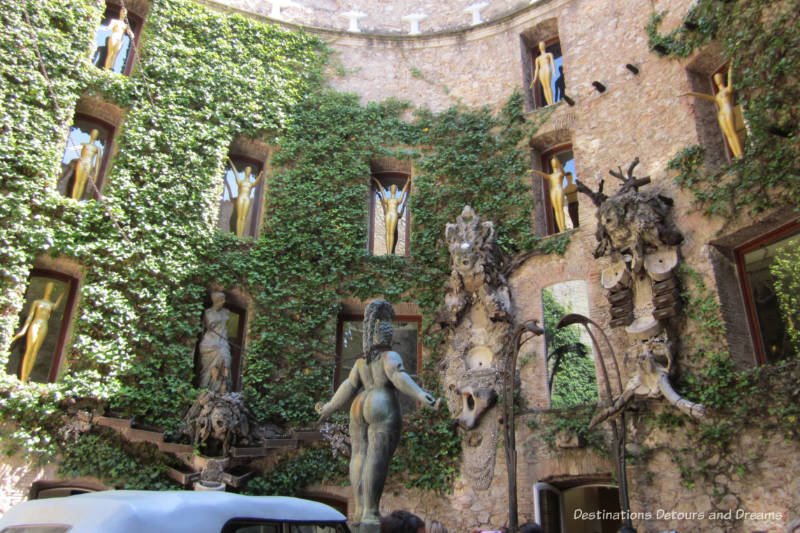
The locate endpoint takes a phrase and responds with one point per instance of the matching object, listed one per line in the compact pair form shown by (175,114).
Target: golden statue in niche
(118,27)
(556,181)
(36,327)
(726,112)
(243,200)
(87,165)
(393,209)
(544,67)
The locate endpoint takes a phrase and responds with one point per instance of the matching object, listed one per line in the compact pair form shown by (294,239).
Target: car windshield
(38,528)
(315,528)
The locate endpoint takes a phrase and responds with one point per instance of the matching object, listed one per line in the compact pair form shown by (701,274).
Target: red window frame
(538,95)
(137,21)
(545,162)
(744,283)
(258,194)
(101,172)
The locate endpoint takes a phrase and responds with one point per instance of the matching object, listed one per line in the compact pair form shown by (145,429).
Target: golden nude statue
(243,200)
(375,416)
(119,27)
(86,166)
(726,112)
(556,181)
(544,67)
(393,208)
(36,327)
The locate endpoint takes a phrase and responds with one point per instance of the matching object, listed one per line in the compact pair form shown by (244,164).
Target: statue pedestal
(365,527)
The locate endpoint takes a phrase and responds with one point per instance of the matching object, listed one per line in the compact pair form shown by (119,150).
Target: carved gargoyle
(475,402)
(636,231)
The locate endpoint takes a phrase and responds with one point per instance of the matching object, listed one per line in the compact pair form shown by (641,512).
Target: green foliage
(292,475)
(150,250)
(574,381)
(785,270)
(759,38)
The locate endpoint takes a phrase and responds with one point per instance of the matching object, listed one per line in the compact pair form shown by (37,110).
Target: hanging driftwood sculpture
(636,232)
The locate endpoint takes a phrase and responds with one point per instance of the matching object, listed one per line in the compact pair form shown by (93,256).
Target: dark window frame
(744,283)
(257,206)
(353,317)
(99,183)
(231,304)
(536,92)
(545,163)
(373,205)
(138,20)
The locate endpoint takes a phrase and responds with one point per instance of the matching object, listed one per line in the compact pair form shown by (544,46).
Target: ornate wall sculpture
(636,232)
(477,311)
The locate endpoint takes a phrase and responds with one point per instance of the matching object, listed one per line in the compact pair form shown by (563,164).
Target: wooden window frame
(257,206)
(351,317)
(744,282)
(545,162)
(537,96)
(66,320)
(139,19)
(103,166)
(373,205)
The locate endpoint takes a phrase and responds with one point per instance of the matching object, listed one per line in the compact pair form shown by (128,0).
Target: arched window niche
(546,146)
(571,371)
(241,208)
(117,37)
(543,35)
(390,189)
(237,304)
(44,325)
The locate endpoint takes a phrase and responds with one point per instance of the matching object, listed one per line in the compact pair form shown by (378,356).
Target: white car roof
(163,512)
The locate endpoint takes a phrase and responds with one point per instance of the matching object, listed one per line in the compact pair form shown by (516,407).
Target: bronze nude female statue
(243,200)
(36,328)
(393,208)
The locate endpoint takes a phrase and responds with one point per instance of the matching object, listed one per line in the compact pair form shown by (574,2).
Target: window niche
(241,208)
(541,48)
(85,158)
(118,36)
(42,331)
(405,341)
(555,506)
(235,327)
(558,172)
(390,188)
(571,375)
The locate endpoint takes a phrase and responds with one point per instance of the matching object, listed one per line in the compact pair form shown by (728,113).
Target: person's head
(123,13)
(401,521)
(555,164)
(93,135)
(530,527)
(541,46)
(719,79)
(793,526)
(247,171)
(393,190)
(217,299)
(436,527)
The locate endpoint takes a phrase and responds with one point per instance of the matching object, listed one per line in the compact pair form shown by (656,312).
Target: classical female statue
(556,180)
(393,208)
(118,27)
(243,199)
(215,353)
(36,327)
(726,112)
(86,166)
(375,417)
(543,68)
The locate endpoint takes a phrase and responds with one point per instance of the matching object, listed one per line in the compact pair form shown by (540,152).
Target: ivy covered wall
(149,249)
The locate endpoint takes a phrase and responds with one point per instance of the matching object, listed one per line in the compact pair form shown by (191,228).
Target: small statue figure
(556,180)
(86,166)
(118,27)
(726,112)
(243,200)
(36,327)
(544,67)
(215,354)
(393,208)
(375,416)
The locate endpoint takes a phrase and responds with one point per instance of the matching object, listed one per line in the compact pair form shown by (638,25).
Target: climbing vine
(759,39)
(149,249)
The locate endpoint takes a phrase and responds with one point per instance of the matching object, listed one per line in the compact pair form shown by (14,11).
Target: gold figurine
(726,112)
(119,27)
(544,67)
(393,208)
(556,180)
(243,200)
(36,327)
(86,166)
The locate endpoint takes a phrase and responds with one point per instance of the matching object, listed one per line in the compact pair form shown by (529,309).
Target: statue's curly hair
(377,319)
